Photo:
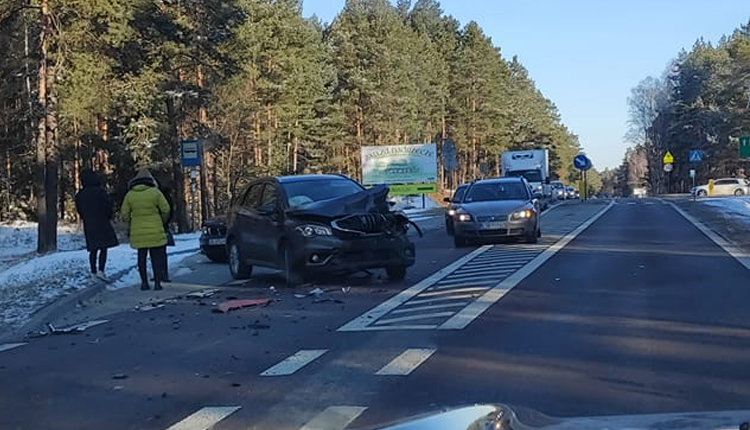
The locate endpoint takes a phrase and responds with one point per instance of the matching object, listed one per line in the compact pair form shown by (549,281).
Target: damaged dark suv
(309,226)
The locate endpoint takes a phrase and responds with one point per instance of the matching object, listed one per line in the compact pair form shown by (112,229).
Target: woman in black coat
(95,208)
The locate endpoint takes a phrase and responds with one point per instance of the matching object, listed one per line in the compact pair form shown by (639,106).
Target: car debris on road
(231,305)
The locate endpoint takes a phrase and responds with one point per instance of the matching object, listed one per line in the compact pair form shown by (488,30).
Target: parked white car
(724,187)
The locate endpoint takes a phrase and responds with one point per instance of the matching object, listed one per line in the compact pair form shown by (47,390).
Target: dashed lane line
(8,346)
(406,362)
(292,364)
(205,418)
(334,418)
(465,316)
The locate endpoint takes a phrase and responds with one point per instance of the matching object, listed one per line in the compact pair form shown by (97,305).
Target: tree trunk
(46,155)
(178,177)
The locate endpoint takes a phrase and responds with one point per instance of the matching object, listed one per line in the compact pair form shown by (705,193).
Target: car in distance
(310,226)
(724,187)
(497,209)
(213,239)
(454,201)
(558,190)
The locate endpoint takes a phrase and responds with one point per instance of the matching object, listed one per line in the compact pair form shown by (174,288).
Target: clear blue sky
(586,55)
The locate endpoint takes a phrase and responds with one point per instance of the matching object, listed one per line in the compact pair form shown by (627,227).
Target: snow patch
(29,282)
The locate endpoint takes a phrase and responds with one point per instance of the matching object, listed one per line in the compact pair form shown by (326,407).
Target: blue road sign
(695,156)
(191,153)
(582,162)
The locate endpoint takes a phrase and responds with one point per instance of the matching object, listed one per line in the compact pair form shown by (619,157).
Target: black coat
(95,208)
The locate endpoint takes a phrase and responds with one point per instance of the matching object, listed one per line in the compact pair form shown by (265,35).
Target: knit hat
(144,174)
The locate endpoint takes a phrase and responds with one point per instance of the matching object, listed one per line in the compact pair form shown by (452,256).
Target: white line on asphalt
(9,346)
(489,267)
(334,418)
(486,283)
(414,318)
(442,299)
(477,277)
(736,252)
(205,418)
(432,293)
(406,362)
(294,363)
(373,314)
(403,310)
(632,203)
(473,310)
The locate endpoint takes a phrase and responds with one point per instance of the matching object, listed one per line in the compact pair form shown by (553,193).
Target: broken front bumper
(336,255)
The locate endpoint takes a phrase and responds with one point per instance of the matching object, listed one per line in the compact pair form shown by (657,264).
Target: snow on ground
(29,282)
(738,208)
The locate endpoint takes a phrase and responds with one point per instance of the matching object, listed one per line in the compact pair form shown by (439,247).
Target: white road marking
(205,418)
(486,283)
(432,293)
(477,307)
(406,362)
(294,363)
(404,310)
(364,320)
(414,318)
(483,269)
(334,418)
(736,252)
(632,203)
(477,277)
(9,346)
(443,299)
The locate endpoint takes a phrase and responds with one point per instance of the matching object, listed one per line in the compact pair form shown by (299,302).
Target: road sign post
(692,176)
(583,163)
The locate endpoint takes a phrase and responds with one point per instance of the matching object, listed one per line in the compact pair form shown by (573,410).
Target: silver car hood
(509,418)
(495,207)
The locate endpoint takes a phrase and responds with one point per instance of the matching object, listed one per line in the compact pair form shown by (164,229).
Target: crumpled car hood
(365,201)
(506,417)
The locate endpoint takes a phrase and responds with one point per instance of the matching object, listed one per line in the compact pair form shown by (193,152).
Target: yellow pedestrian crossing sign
(668,158)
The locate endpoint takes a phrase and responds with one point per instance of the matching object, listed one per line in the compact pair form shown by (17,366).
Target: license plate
(218,241)
(493,225)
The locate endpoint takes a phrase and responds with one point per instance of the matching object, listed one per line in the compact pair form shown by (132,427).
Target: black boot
(157,284)
(145,286)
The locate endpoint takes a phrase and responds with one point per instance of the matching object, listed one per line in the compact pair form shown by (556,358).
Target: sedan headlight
(520,215)
(311,230)
(451,212)
(463,217)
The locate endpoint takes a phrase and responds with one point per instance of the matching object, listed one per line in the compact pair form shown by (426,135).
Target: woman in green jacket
(145,210)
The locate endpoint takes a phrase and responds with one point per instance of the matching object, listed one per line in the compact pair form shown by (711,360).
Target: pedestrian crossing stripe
(205,418)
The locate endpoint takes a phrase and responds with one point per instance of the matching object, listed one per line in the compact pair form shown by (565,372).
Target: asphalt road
(622,308)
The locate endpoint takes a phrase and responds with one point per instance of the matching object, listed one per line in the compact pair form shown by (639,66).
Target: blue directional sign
(582,162)
(695,156)
(191,153)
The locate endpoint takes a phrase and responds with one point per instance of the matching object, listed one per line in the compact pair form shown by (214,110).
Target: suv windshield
(496,191)
(530,175)
(300,193)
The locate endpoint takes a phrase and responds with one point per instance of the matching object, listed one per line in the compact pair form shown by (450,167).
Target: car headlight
(451,212)
(311,230)
(463,217)
(524,214)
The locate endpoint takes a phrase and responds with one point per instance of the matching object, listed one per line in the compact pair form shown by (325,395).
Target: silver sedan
(496,209)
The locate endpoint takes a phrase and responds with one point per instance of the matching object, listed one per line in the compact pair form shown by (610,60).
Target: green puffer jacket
(146,211)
